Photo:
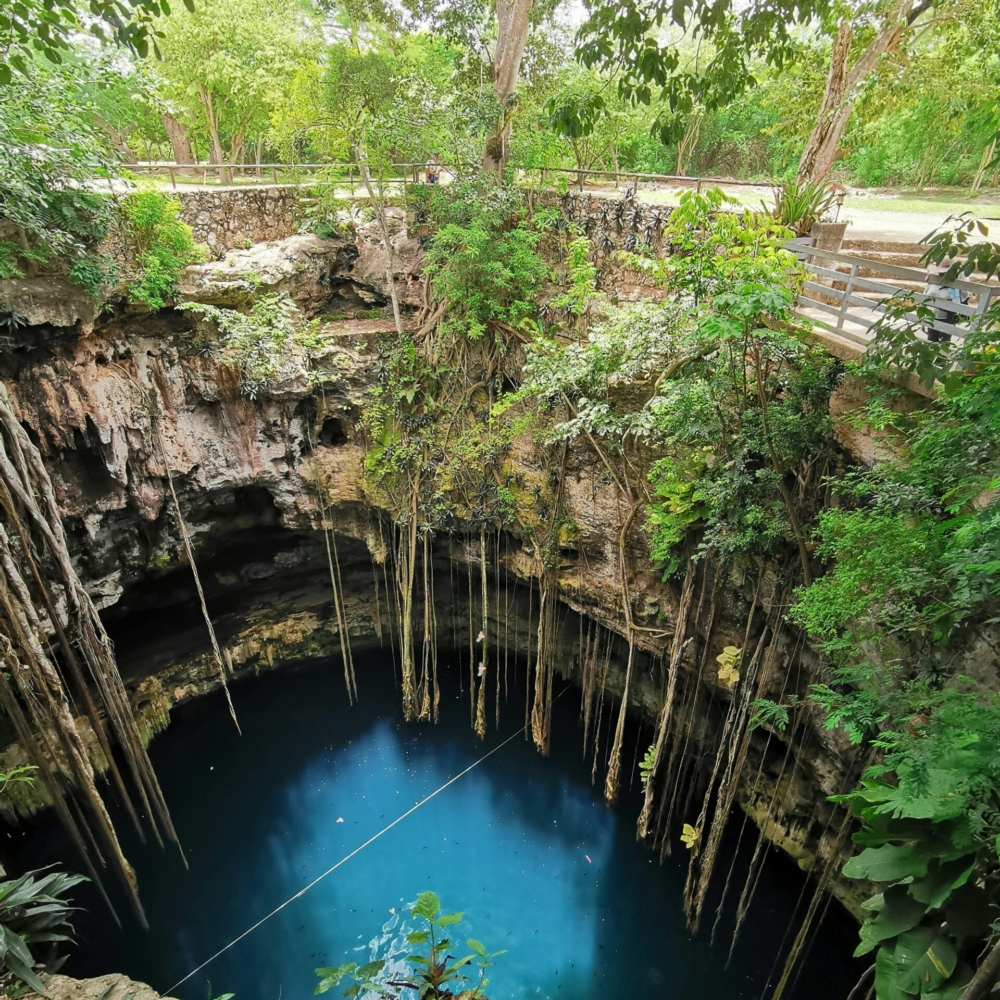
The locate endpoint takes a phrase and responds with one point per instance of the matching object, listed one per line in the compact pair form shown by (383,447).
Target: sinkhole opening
(522,845)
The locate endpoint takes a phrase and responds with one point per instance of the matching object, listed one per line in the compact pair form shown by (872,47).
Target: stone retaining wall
(230,219)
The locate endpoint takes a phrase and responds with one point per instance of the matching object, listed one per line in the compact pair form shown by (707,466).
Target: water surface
(521,844)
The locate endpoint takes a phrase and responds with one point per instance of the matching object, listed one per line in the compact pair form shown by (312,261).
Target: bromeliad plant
(434,974)
(34,920)
(799,205)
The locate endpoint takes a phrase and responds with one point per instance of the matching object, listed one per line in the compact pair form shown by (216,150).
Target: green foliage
(913,550)
(886,566)
(34,918)
(925,834)
(628,38)
(484,261)
(732,403)
(771,714)
(163,246)
(50,153)
(427,433)
(265,346)
(711,247)
(647,764)
(432,972)
(33,26)
(746,409)
(582,273)
(900,339)
(18,775)
(11,321)
(93,272)
(227,63)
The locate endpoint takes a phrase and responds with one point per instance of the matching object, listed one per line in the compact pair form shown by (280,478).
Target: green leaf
(899,912)
(954,987)
(942,877)
(417,937)
(886,975)
(969,912)
(427,905)
(371,969)
(924,959)
(25,973)
(448,919)
(887,864)
(477,946)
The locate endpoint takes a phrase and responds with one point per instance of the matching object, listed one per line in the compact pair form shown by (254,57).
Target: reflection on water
(523,845)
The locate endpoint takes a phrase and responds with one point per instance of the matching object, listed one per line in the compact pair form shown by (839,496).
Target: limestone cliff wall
(246,473)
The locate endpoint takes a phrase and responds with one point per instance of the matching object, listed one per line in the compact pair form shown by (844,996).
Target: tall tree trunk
(378,203)
(213,128)
(512,33)
(119,138)
(180,141)
(842,83)
(689,140)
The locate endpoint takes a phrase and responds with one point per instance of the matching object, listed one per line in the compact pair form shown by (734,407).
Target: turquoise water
(521,844)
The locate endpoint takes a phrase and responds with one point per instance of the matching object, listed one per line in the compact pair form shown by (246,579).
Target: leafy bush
(489,275)
(270,343)
(92,272)
(34,916)
(432,973)
(50,151)
(163,245)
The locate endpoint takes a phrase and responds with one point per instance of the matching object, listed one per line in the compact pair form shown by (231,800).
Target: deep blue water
(522,844)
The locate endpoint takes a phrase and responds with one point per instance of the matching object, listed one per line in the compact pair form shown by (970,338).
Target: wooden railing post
(847,296)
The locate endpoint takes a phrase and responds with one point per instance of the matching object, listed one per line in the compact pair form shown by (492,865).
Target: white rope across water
(357,850)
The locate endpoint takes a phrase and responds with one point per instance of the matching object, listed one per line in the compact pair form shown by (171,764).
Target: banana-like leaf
(941,878)
(887,864)
(899,912)
(924,959)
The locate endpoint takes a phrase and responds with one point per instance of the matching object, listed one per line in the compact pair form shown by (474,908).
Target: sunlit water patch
(521,844)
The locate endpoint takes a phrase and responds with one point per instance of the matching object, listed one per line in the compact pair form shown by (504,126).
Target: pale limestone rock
(111,987)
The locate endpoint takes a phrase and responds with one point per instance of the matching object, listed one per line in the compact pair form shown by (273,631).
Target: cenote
(522,844)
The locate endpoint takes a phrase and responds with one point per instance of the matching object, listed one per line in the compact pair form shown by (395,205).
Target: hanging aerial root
(752,685)
(337,588)
(406,564)
(691,906)
(663,726)
(189,553)
(47,700)
(832,863)
(427,691)
(614,765)
(28,502)
(680,763)
(600,712)
(72,661)
(757,861)
(483,639)
(541,708)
